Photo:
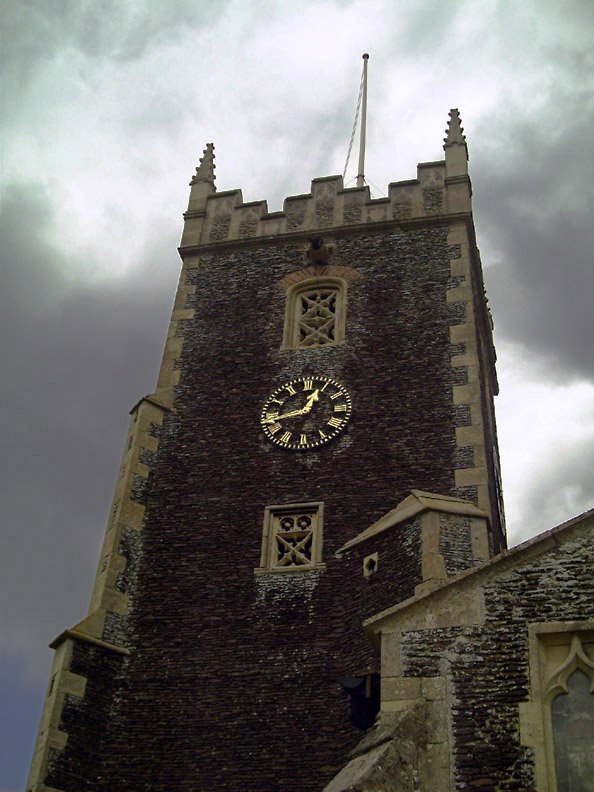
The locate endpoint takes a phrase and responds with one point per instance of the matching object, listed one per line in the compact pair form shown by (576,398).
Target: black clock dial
(306,412)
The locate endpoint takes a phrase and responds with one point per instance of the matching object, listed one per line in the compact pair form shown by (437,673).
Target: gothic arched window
(569,689)
(572,717)
(315,313)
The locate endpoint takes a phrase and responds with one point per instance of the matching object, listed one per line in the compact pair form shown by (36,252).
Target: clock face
(306,413)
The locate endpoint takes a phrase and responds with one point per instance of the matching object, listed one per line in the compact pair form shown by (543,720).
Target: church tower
(320,445)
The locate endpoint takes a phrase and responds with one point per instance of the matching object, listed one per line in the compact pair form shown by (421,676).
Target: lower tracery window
(292,537)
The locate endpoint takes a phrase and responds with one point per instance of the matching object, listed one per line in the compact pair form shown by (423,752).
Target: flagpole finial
(365,56)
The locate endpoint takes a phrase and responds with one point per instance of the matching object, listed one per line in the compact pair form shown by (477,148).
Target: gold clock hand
(286,415)
(310,402)
(303,411)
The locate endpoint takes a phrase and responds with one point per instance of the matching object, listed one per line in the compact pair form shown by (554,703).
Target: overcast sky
(106,107)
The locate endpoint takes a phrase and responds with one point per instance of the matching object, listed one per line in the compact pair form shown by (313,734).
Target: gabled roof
(417,502)
(432,601)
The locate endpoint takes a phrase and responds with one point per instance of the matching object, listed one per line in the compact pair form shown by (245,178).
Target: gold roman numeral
(274,428)
(286,437)
(307,384)
(325,386)
(340,408)
(291,390)
(335,422)
(322,435)
(336,395)
(303,440)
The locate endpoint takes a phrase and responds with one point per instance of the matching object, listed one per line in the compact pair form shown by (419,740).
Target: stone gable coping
(500,564)
(417,502)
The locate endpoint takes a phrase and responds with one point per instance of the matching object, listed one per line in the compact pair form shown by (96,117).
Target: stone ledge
(75,635)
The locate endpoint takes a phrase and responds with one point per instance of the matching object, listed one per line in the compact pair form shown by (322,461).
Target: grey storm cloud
(73,356)
(540,211)
(99,28)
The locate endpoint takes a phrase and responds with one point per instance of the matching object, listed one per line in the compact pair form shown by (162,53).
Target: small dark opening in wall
(364,699)
(370,564)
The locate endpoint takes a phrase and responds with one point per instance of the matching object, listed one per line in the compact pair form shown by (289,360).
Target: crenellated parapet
(440,188)
(224,217)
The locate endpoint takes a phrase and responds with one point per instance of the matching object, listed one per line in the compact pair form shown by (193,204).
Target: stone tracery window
(315,313)
(317,316)
(557,721)
(292,538)
(569,688)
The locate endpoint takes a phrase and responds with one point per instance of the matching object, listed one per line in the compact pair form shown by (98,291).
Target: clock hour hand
(310,402)
(303,411)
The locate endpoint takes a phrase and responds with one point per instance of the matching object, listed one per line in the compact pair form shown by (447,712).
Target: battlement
(223,216)
(441,188)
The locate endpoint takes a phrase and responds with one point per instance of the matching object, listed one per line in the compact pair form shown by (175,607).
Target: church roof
(473,577)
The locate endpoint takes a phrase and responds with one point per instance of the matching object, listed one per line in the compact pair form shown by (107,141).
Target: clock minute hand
(286,415)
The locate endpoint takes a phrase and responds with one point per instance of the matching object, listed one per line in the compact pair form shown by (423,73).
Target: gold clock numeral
(340,408)
(322,435)
(307,384)
(272,416)
(274,428)
(336,395)
(276,401)
(335,422)
(291,390)
(286,437)
(303,440)
(325,386)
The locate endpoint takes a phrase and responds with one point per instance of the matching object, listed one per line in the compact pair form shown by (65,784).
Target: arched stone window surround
(557,650)
(294,313)
(557,684)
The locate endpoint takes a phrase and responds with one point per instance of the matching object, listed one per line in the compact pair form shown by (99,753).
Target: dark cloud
(99,28)
(76,358)
(536,212)
(38,31)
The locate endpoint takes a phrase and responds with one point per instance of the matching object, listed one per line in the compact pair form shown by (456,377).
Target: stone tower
(321,444)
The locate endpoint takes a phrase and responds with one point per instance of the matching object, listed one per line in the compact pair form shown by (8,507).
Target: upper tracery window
(315,313)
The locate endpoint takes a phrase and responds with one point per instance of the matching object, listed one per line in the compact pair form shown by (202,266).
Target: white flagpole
(361,170)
